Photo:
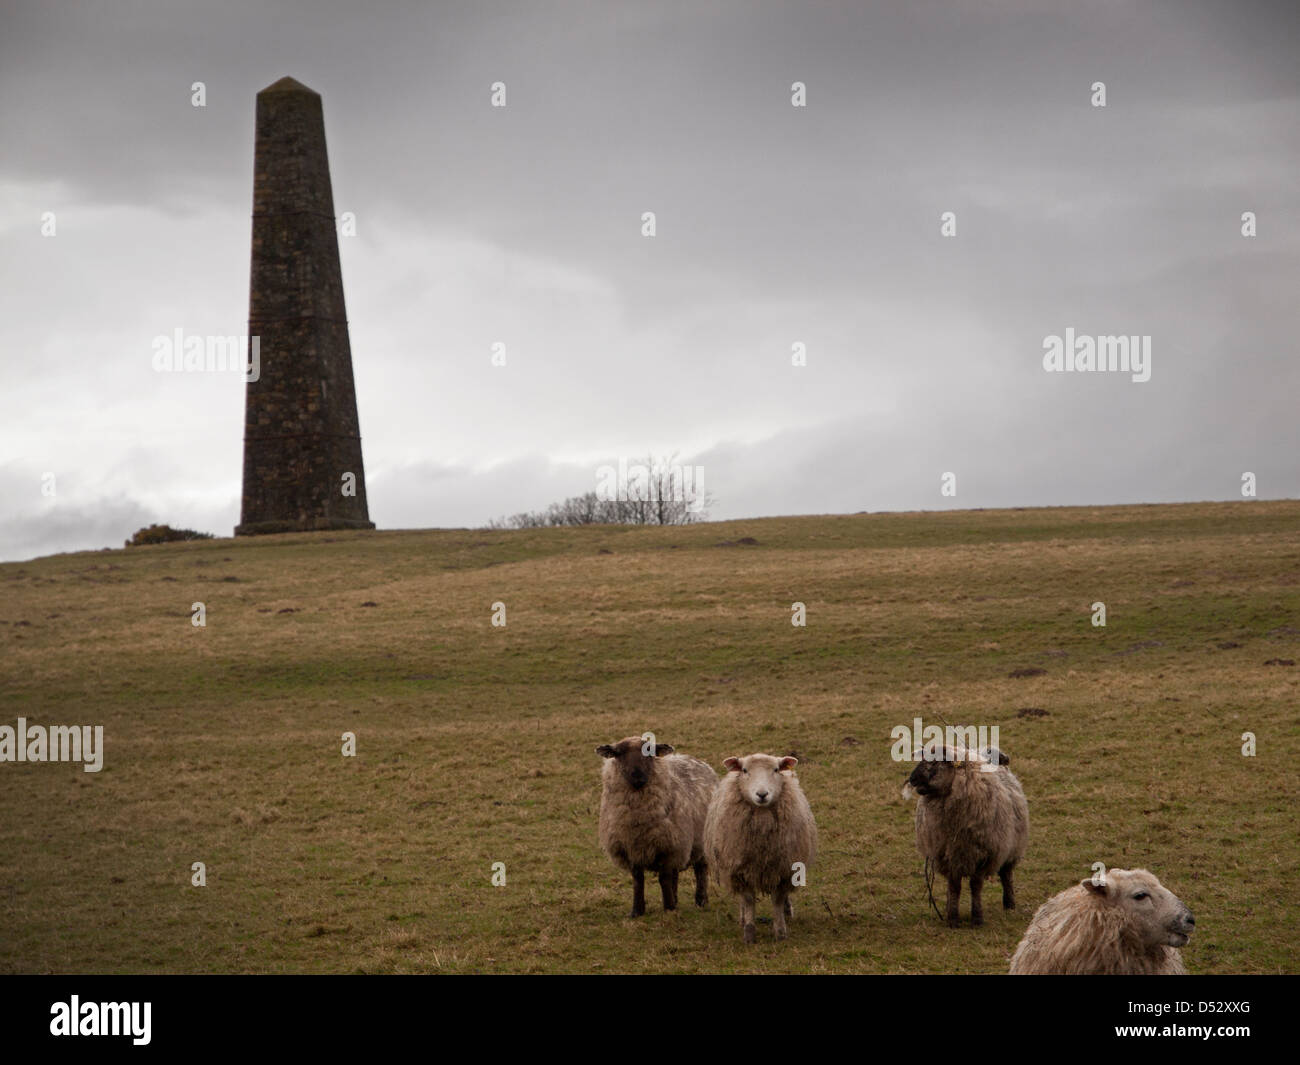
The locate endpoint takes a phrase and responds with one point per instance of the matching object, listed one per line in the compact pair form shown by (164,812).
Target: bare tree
(653,492)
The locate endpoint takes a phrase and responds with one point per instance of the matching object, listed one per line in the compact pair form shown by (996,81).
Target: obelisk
(302,440)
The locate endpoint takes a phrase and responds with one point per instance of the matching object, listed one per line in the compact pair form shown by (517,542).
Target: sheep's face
(931,778)
(636,767)
(934,776)
(760,776)
(1157,914)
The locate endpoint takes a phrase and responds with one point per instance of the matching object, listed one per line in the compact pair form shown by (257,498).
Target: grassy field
(475,744)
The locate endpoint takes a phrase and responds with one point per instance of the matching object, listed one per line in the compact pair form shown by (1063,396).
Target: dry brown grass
(476,744)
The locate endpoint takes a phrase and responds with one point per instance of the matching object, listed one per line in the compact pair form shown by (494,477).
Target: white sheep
(758,828)
(1121,922)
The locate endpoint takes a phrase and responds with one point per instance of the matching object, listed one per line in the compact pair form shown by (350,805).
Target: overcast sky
(775,225)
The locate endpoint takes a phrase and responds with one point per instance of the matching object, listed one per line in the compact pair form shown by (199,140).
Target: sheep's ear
(1096,885)
(606,751)
(662,749)
(732,763)
(788,762)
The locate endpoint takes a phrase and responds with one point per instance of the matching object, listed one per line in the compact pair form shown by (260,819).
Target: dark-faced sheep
(972,821)
(652,808)
(759,826)
(1122,922)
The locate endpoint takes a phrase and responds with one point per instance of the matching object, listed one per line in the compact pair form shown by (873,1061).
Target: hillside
(475,743)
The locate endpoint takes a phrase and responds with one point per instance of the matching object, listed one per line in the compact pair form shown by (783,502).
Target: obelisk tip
(287,84)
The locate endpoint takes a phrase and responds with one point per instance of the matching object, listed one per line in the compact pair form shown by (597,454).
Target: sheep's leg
(668,885)
(789,906)
(747,918)
(638,891)
(976,901)
(780,904)
(954,896)
(701,883)
(1008,891)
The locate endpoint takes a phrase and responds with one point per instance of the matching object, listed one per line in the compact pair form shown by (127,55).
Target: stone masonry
(301,434)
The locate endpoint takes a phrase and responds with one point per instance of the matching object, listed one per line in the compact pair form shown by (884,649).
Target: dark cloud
(775,225)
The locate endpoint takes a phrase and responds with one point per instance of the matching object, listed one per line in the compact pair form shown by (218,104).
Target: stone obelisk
(302,440)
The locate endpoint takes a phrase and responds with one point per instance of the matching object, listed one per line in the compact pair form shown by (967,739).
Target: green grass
(475,744)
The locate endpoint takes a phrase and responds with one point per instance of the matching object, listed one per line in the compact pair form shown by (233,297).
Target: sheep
(759,826)
(1121,922)
(652,808)
(972,821)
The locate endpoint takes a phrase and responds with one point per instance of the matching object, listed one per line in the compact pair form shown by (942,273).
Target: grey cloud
(775,225)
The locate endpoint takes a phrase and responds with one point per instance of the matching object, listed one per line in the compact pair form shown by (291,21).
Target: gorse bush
(164,534)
